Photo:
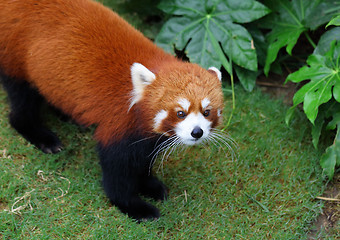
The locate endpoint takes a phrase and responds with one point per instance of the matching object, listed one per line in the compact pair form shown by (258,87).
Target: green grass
(267,191)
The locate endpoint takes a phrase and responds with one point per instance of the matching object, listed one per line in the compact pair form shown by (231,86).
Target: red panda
(85,60)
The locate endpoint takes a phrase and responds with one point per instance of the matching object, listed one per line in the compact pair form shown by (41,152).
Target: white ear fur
(218,73)
(141,77)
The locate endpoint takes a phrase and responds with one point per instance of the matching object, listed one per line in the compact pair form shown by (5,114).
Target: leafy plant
(292,18)
(323,71)
(211,34)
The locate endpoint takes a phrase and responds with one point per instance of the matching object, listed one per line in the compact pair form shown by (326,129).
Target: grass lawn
(267,191)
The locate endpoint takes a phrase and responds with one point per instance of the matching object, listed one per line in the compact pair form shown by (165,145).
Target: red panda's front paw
(139,210)
(152,187)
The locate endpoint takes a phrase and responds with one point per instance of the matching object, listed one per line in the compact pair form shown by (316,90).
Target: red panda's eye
(181,114)
(206,113)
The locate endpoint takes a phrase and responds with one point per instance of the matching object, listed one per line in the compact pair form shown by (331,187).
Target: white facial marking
(219,112)
(205,103)
(141,77)
(218,73)
(160,116)
(185,104)
(184,128)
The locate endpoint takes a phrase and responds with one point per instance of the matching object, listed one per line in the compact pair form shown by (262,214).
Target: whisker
(217,137)
(140,140)
(170,148)
(164,149)
(162,135)
(225,136)
(161,147)
(219,145)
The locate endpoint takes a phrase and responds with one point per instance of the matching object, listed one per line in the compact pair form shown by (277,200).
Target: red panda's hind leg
(25,115)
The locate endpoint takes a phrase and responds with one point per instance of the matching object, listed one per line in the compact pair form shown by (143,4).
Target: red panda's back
(78,54)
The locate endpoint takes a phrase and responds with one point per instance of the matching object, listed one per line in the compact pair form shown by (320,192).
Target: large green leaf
(199,25)
(322,12)
(290,19)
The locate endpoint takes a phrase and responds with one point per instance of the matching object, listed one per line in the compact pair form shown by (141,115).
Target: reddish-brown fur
(78,53)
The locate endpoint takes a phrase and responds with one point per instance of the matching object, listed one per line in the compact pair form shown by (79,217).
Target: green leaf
(201,50)
(316,72)
(331,158)
(246,77)
(236,42)
(335,21)
(226,64)
(175,32)
(324,43)
(208,28)
(336,91)
(313,99)
(337,146)
(335,121)
(316,130)
(278,39)
(260,43)
(244,11)
(289,114)
(328,161)
(329,110)
(290,19)
(182,7)
(300,94)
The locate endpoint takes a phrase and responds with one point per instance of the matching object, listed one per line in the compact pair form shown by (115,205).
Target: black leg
(151,187)
(126,175)
(25,115)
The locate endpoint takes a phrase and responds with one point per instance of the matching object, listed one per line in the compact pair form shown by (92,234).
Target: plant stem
(233,98)
(310,40)
(230,71)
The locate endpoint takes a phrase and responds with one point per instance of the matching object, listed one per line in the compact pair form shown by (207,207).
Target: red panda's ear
(216,71)
(141,77)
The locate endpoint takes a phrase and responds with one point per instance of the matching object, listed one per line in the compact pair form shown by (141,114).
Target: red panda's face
(184,103)
(190,121)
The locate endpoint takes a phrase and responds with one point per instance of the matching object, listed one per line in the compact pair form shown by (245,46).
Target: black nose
(197,132)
